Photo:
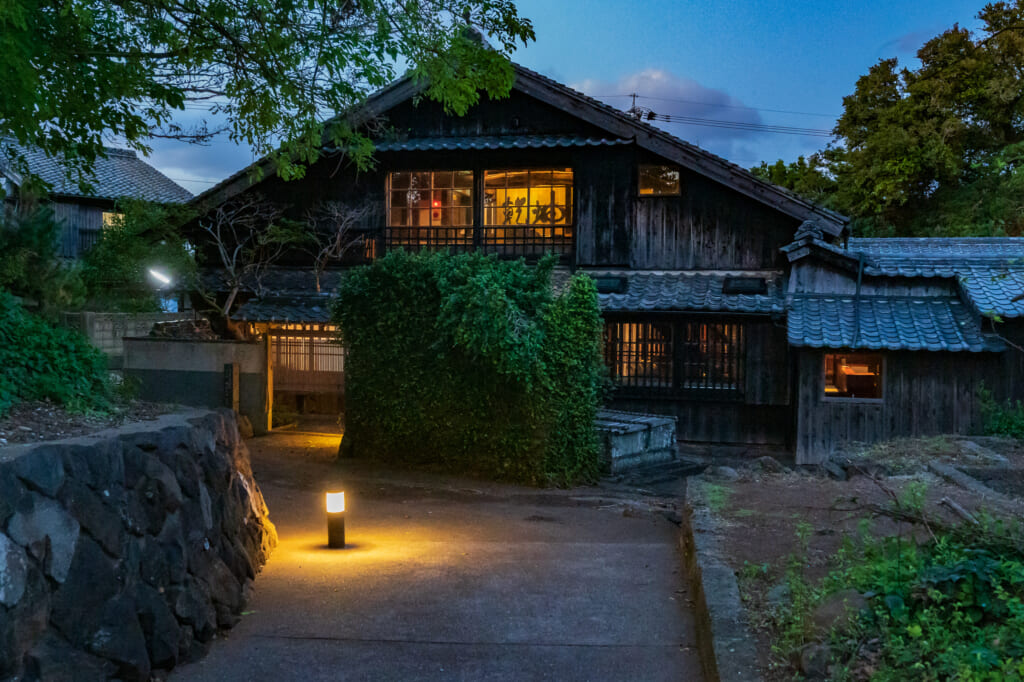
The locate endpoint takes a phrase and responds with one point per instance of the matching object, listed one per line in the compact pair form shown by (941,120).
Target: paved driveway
(450,579)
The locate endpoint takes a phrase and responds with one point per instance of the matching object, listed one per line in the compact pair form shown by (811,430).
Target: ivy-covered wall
(472,365)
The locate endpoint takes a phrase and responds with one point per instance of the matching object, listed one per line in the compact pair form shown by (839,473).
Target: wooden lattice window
(430,209)
(528,212)
(674,357)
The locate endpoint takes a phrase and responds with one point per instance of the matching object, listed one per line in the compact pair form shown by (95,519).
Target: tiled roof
(890,323)
(990,269)
(122,174)
(286,309)
(419,144)
(677,291)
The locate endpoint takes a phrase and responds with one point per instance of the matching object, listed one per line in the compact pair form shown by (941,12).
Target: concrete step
(630,439)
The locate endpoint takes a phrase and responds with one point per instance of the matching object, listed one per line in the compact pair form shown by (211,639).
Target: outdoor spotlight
(159,276)
(336,520)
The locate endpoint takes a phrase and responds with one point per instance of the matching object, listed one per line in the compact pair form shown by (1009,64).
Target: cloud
(666,93)
(910,43)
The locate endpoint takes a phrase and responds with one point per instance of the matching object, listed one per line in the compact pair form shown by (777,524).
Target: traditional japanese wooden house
(731,303)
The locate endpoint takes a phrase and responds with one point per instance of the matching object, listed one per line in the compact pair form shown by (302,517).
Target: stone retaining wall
(123,553)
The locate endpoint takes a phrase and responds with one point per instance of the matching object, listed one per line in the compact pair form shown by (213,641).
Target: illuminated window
(659,181)
(853,375)
(528,212)
(683,357)
(111,219)
(430,209)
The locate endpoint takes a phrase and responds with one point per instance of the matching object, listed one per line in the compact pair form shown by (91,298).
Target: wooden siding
(924,393)
(809,277)
(723,423)
(74,219)
(761,415)
(707,227)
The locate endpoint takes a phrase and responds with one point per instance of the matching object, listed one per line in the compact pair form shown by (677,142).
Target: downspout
(856,300)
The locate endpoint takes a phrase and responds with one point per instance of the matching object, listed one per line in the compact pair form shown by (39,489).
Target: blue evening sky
(710,59)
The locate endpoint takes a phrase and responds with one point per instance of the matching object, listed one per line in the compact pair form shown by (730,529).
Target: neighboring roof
(617,122)
(990,269)
(678,291)
(122,174)
(423,144)
(286,309)
(885,323)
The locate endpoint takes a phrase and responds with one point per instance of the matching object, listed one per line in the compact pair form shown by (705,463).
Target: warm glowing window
(676,356)
(658,181)
(431,208)
(853,375)
(528,212)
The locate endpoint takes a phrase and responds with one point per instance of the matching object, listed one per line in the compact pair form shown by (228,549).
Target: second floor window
(430,208)
(524,212)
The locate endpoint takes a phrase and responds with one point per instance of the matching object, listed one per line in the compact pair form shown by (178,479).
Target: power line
(648,115)
(715,104)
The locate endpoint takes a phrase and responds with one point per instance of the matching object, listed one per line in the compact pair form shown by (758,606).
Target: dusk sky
(713,59)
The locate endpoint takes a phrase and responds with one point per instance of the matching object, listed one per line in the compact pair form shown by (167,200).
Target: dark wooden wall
(76,218)
(924,393)
(762,415)
(708,227)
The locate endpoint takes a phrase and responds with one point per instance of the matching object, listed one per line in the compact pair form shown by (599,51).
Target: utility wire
(724,106)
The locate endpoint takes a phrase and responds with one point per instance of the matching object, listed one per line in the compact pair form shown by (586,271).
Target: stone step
(630,439)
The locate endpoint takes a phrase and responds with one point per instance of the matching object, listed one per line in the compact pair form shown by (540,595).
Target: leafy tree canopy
(809,177)
(934,150)
(77,72)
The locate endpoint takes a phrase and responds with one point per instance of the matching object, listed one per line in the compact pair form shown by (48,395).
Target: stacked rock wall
(124,554)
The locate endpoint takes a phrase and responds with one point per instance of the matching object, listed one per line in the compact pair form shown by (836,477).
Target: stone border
(728,650)
(965,481)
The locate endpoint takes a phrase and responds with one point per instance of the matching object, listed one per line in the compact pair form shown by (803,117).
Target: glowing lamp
(336,520)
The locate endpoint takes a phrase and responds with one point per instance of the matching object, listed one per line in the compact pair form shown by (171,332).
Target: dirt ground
(761,513)
(37,421)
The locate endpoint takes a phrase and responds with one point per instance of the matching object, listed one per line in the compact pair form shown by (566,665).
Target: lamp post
(336,520)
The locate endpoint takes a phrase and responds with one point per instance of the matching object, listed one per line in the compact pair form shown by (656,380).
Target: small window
(853,375)
(659,181)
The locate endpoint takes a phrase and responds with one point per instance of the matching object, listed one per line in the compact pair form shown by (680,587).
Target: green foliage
(42,361)
(948,608)
(115,270)
(810,178)
(471,364)
(1001,419)
(79,71)
(29,265)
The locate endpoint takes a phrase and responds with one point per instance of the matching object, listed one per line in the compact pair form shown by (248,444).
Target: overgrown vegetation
(1002,419)
(950,606)
(473,365)
(29,264)
(42,361)
(144,236)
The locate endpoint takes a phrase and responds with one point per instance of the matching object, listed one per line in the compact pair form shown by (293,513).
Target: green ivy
(472,364)
(42,361)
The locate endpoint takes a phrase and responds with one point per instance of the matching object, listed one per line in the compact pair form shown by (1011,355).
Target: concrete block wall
(106,331)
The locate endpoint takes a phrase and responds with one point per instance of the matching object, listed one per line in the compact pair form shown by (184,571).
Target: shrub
(41,361)
(29,264)
(471,363)
(1006,419)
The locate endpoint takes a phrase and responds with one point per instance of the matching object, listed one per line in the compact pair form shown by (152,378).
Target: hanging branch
(337,229)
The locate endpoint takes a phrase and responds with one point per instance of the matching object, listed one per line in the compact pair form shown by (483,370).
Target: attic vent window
(659,181)
(745,285)
(610,285)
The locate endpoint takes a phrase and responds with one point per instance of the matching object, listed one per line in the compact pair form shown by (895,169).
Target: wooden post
(268,399)
(231,377)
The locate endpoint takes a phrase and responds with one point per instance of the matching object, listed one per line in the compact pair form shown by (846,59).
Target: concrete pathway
(450,579)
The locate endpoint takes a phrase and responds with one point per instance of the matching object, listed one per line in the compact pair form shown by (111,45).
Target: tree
(247,235)
(937,150)
(808,177)
(77,72)
(335,232)
(116,271)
